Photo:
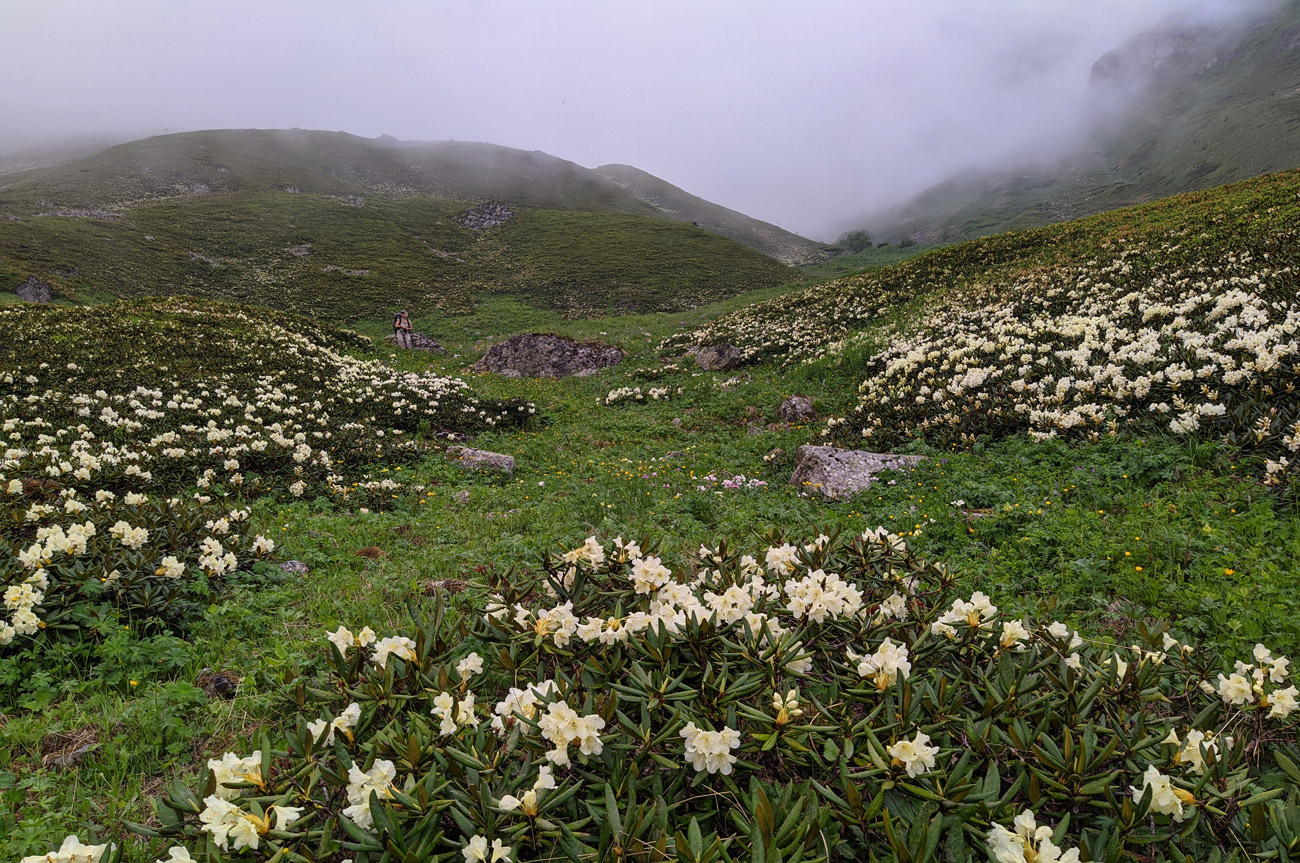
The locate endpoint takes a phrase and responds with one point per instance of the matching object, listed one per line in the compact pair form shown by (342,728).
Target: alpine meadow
(366,500)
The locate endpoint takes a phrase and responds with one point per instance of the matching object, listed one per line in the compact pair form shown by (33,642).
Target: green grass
(318,256)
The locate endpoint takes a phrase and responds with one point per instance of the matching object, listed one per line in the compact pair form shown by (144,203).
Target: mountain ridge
(1208,107)
(189,165)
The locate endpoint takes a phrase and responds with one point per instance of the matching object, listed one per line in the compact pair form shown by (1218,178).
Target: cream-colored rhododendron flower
(470,666)
(527,804)
(562,726)
(344,722)
(379,779)
(976,613)
(915,755)
(1282,702)
(710,750)
(477,851)
(884,666)
(782,559)
(1030,842)
(344,640)
(1190,749)
(170,567)
(1236,689)
(394,645)
(1166,798)
(230,768)
(177,854)
(72,850)
(786,707)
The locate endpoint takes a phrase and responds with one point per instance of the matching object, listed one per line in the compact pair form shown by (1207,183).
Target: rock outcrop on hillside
(33,290)
(486,215)
(837,473)
(796,409)
(544,355)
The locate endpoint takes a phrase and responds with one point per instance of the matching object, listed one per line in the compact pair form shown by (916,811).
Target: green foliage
(813,321)
(856,241)
(853,707)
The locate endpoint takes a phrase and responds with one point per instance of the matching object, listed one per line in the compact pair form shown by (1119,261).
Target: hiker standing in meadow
(402,329)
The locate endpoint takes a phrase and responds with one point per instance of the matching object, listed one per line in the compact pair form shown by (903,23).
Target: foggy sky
(806,114)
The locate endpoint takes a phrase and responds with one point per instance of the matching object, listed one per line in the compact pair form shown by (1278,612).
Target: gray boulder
(489,214)
(33,290)
(543,355)
(840,473)
(718,358)
(415,342)
(481,459)
(796,409)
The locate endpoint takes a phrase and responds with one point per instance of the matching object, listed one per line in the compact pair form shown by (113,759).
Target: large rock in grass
(33,290)
(838,473)
(415,342)
(543,355)
(481,459)
(796,409)
(718,358)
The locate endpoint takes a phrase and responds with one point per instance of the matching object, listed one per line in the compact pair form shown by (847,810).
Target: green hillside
(1253,217)
(1207,107)
(250,584)
(344,228)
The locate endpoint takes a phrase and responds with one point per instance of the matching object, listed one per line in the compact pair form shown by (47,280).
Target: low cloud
(804,115)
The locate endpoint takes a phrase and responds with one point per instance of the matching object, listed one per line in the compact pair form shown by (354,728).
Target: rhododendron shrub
(170,393)
(67,556)
(828,698)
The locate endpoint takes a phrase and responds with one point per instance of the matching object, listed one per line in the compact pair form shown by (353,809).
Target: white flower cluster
(1029,841)
(345,722)
(71,851)
(710,750)
(68,536)
(1089,349)
(635,394)
(380,779)
(278,404)
(1246,685)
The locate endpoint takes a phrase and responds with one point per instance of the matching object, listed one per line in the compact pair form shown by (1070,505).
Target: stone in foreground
(543,355)
(840,473)
(481,459)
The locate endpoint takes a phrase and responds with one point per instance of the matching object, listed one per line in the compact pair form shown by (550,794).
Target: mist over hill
(1202,104)
(341,227)
(195,164)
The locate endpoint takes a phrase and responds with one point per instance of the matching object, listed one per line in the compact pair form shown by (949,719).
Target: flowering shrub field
(1155,338)
(1256,218)
(157,394)
(830,699)
(63,556)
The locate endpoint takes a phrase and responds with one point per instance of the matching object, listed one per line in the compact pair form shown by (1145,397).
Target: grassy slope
(242,198)
(1186,514)
(802,323)
(769,239)
(365,261)
(1236,120)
